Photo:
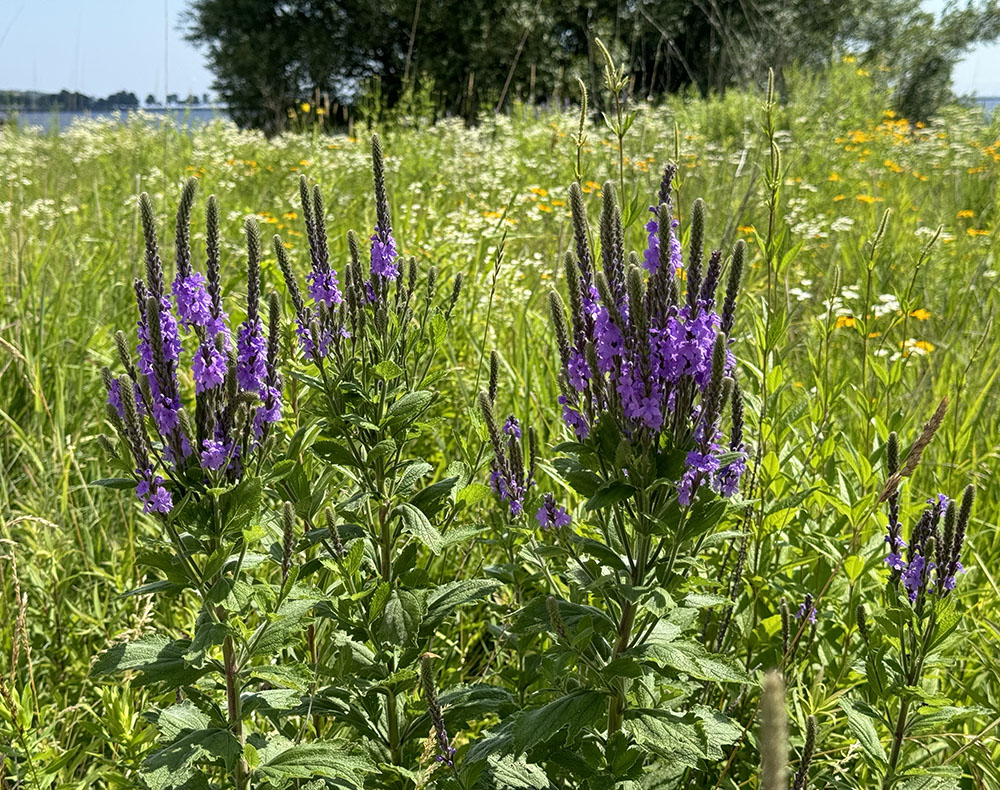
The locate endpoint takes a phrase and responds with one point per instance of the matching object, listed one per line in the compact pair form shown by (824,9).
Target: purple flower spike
(194,306)
(115,397)
(651,257)
(807,610)
(552,516)
(913,576)
(251,355)
(208,367)
(214,455)
(323,287)
(154,497)
(512,427)
(384,255)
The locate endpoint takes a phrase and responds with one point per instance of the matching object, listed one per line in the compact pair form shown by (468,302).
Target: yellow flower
(892,166)
(289,215)
(863,72)
(965,213)
(874,334)
(539,191)
(866,199)
(544,207)
(838,197)
(920,314)
(304,162)
(844,320)
(977,232)
(321,111)
(834,177)
(591,186)
(918,347)
(748,229)
(558,202)
(850,59)
(305,106)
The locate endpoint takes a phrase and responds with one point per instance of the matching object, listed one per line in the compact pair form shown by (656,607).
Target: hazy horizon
(135,36)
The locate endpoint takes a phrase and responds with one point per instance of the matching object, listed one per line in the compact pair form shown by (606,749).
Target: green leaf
(576,710)
(667,735)
(451,595)
(431,499)
(404,611)
(213,744)
(287,675)
(417,524)
(352,560)
(854,566)
(931,783)
(334,453)
(387,369)
(285,628)
(610,493)
(509,773)
(412,473)
(864,730)
(156,658)
(118,483)
(690,658)
(581,480)
(409,407)
(336,760)
(176,719)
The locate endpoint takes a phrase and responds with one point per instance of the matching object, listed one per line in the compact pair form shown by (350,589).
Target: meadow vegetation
(869,295)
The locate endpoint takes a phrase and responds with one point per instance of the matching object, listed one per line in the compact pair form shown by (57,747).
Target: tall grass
(862,341)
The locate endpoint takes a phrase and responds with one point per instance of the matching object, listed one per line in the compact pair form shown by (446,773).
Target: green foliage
(314,654)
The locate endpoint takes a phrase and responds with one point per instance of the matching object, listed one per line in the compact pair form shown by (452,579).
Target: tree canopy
(467,55)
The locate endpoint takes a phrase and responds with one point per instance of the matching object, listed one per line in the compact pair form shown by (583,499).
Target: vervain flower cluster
(641,353)
(510,476)
(237,392)
(935,543)
(331,316)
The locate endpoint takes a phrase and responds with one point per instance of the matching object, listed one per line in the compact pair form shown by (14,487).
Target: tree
(468,55)
(150,100)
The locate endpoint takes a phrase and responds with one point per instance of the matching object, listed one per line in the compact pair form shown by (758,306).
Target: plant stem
(241,775)
(897,743)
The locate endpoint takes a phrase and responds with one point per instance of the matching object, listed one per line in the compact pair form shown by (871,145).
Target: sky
(99,47)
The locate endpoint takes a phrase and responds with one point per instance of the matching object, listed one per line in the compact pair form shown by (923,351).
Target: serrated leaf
(404,611)
(508,773)
(287,675)
(408,407)
(864,730)
(583,481)
(387,369)
(416,523)
(327,759)
(667,735)
(576,710)
(665,650)
(156,658)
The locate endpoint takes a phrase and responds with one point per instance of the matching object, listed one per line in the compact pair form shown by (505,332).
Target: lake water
(200,115)
(62,120)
